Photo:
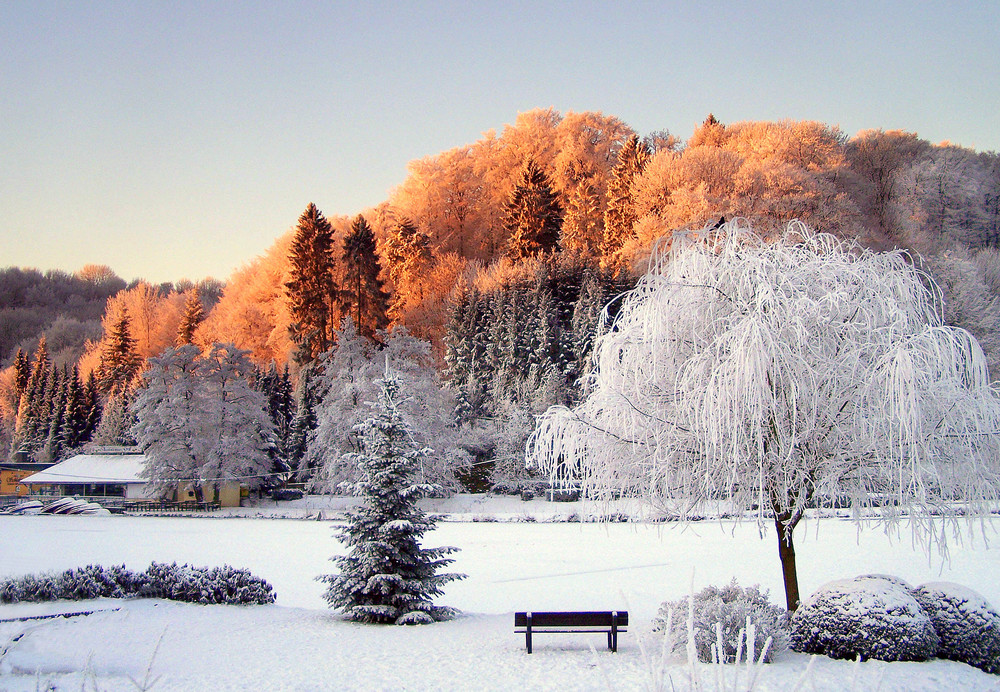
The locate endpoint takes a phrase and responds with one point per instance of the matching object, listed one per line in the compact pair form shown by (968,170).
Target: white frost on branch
(768,372)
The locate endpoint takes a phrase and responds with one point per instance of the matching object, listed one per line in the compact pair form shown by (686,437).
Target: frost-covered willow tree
(773,372)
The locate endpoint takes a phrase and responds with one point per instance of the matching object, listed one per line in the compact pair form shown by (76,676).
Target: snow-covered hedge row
(729,607)
(968,626)
(210,585)
(214,585)
(883,617)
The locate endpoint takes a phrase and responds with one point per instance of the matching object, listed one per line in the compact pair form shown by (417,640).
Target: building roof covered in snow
(91,469)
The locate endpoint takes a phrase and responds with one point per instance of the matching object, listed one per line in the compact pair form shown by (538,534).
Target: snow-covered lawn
(298,644)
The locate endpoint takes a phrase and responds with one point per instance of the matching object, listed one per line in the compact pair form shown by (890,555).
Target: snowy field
(298,644)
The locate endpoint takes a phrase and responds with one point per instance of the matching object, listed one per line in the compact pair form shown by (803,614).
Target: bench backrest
(599,618)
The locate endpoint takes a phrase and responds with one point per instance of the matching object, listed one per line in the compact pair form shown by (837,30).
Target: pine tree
(387,577)
(120,362)
(115,426)
(362,296)
(75,415)
(619,217)
(532,215)
(277,390)
(303,424)
(311,290)
(32,412)
(92,406)
(53,447)
(22,372)
(586,319)
(194,314)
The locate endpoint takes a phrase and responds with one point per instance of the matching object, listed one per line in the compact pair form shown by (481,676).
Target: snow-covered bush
(92,581)
(215,585)
(729,607)
(193,584)
(968,626)
(870,617)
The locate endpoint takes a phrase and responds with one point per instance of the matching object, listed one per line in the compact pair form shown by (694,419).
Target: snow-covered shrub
(94,581)
(31,587)
(730,607)
(870,617)
(197,585)
(968,626)
(215,585)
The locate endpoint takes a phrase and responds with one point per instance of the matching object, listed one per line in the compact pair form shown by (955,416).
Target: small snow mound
(869,617)
(969,627)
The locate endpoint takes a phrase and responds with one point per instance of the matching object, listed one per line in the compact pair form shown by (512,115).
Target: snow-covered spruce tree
(769,372)
(386,576)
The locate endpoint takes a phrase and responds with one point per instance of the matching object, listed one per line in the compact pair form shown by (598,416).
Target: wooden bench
(610,621)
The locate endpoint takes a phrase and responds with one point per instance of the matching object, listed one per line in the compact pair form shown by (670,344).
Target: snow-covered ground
(298,644)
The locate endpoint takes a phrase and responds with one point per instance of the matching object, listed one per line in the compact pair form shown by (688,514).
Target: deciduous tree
(772,375)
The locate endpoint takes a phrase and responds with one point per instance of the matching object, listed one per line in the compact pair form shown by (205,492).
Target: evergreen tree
(30,425)
(532,215)
(22,372)
(303,424)
(120,362)
(115,426)
(311,289)
(586,319)
(362,296)
(75,414)
(277,390)
(194,314)
(52,450)
(620,217)
(92,406)
(387,577)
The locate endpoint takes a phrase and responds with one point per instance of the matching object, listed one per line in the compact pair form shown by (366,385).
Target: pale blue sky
(177,139)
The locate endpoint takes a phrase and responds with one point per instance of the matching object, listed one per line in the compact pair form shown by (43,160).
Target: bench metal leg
(527,633)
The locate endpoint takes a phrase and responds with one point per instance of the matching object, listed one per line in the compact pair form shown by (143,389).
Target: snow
(299,644)
(92,468)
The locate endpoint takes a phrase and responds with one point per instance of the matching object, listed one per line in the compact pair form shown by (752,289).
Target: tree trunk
(786,551)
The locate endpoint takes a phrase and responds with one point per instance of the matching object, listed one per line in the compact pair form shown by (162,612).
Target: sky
(179,140)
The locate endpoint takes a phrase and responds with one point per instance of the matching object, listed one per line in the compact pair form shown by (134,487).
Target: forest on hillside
(482,277)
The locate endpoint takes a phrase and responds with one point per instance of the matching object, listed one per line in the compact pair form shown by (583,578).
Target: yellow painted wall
(9,481)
